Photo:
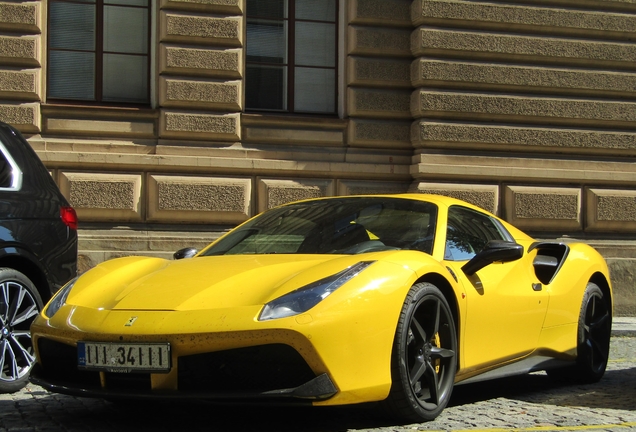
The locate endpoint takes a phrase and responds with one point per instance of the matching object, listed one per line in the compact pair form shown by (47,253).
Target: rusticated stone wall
(524,108)
(183,87)
(20,64)
(378,77)
(532,98)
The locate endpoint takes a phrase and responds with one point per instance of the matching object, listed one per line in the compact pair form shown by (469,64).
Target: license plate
(124,357)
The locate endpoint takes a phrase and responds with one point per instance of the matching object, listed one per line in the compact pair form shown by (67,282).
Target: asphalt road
(527,403)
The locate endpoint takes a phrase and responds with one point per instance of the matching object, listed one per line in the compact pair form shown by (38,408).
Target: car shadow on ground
(617,390)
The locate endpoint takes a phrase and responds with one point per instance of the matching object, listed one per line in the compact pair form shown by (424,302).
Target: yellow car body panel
(504,313)
(355,321)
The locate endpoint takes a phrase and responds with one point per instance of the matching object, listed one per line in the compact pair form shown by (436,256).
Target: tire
(424,357)
(593,339)
(20,304)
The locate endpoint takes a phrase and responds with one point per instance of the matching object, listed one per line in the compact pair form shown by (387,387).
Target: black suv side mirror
(495,251)
(188,252)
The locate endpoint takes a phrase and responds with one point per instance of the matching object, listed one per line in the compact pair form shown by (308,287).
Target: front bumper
(272,372)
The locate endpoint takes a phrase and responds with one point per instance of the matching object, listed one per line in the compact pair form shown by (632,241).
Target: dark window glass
(468,232)
(292,55)
(335,226)
(99,50)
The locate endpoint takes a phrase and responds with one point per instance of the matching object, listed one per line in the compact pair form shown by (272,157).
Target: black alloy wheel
(593,339)
(20,304)
(424,358)
(594,333)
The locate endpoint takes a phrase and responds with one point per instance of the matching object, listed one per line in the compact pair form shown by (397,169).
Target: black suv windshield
(335,226)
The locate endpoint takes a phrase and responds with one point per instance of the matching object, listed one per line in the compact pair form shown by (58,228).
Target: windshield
(335,226)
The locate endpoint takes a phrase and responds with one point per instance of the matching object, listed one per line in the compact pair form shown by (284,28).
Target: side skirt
(527,365)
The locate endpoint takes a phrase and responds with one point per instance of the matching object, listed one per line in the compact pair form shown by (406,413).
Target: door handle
(537,287)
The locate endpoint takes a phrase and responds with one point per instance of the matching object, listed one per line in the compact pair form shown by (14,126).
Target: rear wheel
(424,357)
(20,304)
(593,338)
(595,330)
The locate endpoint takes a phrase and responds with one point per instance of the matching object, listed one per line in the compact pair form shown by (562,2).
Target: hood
(200,283)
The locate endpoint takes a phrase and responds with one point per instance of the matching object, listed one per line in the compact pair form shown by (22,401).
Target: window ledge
(293,120)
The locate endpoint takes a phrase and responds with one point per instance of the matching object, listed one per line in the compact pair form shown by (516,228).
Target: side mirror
(495,251)
(188,252)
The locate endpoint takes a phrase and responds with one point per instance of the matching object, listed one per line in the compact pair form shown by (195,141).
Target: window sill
(257,119)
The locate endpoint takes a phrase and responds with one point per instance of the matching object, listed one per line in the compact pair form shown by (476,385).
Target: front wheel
(424,357)
(20,303)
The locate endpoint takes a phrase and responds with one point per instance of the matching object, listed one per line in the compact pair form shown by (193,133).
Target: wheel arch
(602,282)
(449,293)
(30,270)
(447,289)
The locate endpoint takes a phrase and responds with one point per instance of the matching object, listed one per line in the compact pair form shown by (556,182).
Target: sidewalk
(624,326)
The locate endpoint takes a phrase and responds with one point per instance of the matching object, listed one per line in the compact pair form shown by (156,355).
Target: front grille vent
(252,369)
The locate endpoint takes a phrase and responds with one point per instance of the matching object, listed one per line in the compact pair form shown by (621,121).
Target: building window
(98,51)
(291,61)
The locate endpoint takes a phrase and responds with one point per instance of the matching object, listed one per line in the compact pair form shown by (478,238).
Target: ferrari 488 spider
(393,299)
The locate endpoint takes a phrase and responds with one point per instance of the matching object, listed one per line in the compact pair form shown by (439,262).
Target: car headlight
(303,299)
(59,299)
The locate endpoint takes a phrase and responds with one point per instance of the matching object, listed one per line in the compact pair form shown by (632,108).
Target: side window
(291,60)
(468,232)
(98,51)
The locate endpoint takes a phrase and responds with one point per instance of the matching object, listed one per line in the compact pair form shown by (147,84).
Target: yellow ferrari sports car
(392,299)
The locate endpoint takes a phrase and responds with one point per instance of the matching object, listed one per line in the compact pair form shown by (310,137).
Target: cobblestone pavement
(526,403)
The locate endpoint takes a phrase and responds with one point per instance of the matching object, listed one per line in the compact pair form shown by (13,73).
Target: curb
(624,326)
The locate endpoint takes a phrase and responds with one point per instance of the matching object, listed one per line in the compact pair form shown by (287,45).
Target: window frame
(289,87)
(99,53)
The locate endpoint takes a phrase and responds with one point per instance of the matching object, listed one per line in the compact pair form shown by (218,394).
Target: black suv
(38,251)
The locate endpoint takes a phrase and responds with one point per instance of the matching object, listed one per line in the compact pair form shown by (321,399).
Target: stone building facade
(524,107)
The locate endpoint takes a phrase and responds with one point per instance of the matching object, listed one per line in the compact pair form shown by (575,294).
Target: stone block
(20,51)
(611,210)
(394,13)
(483,196)
(520,17)
(440,134)
(187,125)
(210,95)
(140,128)
(623,277)
(215,63)
(527,79)
(379,42)
(360,187)
(469,44)
(372,72)
(103,197)
(21,85)
(454,166)
(543,208)
(16,17)
(25,117)
(380,134)
(374,103)
(295,136)
(235,7)
(522,109)
(199,199)
(205,30)
(275,192)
